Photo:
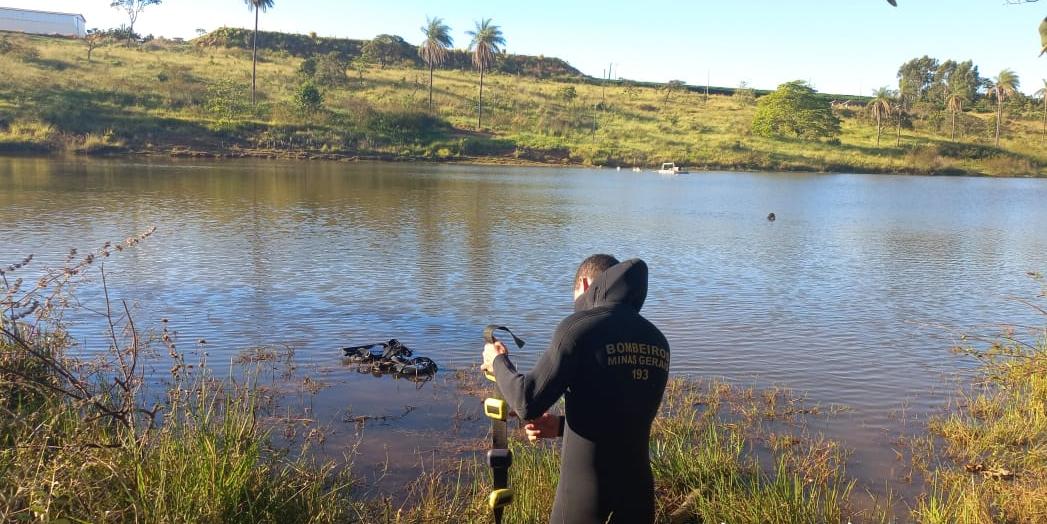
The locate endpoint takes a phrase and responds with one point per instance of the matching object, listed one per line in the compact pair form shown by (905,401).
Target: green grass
(702,457)
(100,143)
(87,440)
(158,98)
(705,469)
(208,462)
(27,136)
(987,458)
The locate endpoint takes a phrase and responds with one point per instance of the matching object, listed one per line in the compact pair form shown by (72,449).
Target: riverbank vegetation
(703,455)
(342,99)
(86,439)
(986,459)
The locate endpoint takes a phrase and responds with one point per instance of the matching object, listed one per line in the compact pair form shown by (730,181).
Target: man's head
(589,269)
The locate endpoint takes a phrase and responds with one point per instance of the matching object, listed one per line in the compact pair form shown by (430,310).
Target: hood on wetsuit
(623,283)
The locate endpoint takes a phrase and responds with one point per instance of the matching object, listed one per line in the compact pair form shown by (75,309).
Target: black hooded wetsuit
(611,364)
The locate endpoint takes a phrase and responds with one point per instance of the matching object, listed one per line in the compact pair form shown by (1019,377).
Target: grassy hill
(193,99)
(303,46)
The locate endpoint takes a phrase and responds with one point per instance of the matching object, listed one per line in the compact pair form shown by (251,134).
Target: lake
(853,296)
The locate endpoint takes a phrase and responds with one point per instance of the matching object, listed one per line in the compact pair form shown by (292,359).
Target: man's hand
(490,352)
(545,426)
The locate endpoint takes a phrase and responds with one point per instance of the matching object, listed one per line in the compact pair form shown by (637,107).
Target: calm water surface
(851,296)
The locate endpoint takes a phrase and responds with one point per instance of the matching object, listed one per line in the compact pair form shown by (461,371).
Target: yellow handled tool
(499,457)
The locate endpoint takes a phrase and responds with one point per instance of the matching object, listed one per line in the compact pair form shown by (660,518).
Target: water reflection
(840,297)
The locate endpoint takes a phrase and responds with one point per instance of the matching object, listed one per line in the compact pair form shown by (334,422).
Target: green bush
(567,94)
(960,150)
(226,103)
(308,67)
(402,127)
(795,109)
(330,71)
(308,98)
(389,49)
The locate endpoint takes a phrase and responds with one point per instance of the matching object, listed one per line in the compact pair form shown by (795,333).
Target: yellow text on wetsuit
(636,354)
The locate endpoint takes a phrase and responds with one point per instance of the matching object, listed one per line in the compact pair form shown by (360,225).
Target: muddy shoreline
(188,152)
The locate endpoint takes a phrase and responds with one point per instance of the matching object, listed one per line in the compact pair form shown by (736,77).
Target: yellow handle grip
(500,498)
(496,408)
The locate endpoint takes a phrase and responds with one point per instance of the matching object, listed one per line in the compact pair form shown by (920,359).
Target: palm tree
(954,103)
(256,6)
(881,108)
(899,115)
(487,39)
(1001,87)
(434,49)
(1042,93)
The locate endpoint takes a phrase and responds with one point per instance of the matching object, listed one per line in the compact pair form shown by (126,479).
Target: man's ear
(585,284)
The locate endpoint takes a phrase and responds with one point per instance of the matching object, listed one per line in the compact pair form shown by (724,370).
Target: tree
(225,103)
(631,90)
(880,107)
(256,6)
(1042,93)
(327,71)
(567,94)
(120,33)
(486,44)
(94,40)
(900,115)
(434,49)
(745,94)
(1001,87)
(939,88)
(916,77)
(133,8)
(954,104)
(360,64)
(671,87)
(965,78)
(927,79)
(795,109)
(308,67)
(386,49)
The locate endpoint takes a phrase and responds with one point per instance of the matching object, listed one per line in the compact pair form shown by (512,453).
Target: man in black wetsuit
(611,365)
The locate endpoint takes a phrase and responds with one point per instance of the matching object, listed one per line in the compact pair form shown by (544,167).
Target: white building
(42,22)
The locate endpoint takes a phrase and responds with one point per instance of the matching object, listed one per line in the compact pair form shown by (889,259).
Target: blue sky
(841,46)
